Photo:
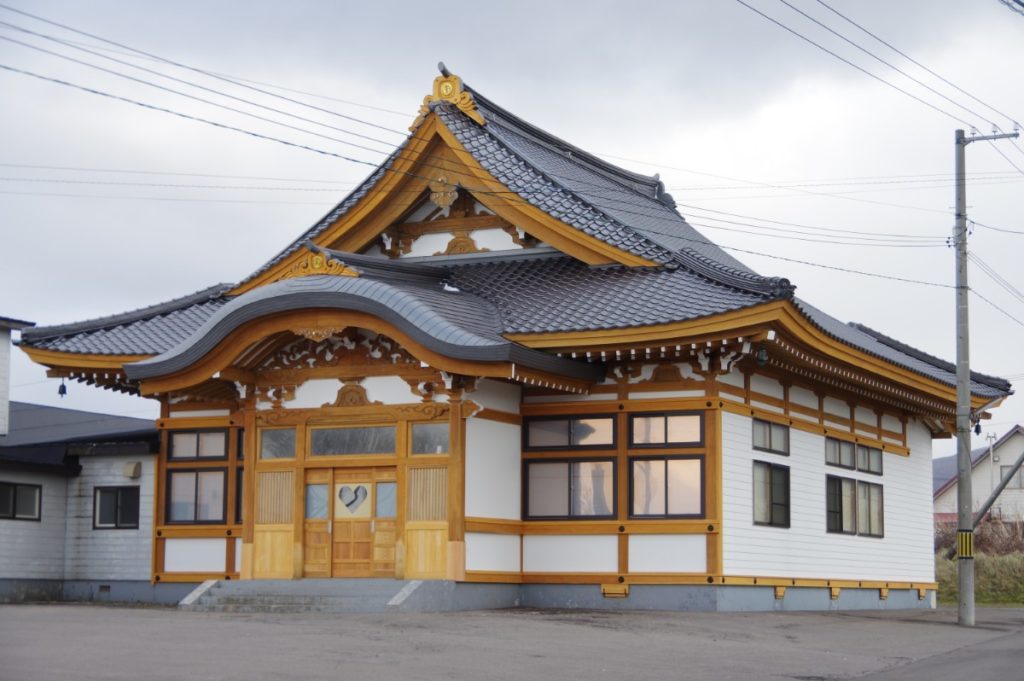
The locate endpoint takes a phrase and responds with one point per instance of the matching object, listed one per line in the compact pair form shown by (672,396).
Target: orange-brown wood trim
(73,360)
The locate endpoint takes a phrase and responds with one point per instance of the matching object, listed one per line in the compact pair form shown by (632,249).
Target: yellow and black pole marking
(965,544)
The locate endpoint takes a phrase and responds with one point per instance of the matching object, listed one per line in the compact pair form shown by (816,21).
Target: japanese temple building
(503,360)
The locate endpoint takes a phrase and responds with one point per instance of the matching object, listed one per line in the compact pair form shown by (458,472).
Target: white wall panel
(492,552)
(668,553)
(388,389)
(195,555)
(493,469)
(497,395)
(35,549)
(805,549)
(571,553)
(766,386)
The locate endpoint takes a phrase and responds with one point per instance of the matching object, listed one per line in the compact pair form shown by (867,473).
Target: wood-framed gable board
(434,163)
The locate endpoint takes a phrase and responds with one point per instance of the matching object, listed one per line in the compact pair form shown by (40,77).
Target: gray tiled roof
(34,424)
(149,330)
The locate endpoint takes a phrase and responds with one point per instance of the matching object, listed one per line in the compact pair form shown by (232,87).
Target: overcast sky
(729,108)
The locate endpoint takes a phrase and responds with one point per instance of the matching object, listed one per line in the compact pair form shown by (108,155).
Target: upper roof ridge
(97,323)
(775,287)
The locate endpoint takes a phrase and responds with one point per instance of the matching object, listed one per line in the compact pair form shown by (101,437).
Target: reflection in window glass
(210,498)
(26,502)
(387,500)
(316,501)
(684,428)
(368,440)
(648,430)
(548,489)
(213,445)
(183,445)
(762,493)
(182,496)
(649,487)
(429,438)
(592,491)
(6,500)
(684,487)
(277,443)
(591,432)
(548,433)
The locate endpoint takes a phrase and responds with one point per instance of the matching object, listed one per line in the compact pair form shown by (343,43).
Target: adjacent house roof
(47,439)
(944,470)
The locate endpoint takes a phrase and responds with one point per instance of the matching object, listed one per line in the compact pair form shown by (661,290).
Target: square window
(771,437)
(116,508)
(570,489)
(20,501)
(647,430)
(840,453)
(277,443)
(204,444)
(667,487)
(196,496)
(430,438)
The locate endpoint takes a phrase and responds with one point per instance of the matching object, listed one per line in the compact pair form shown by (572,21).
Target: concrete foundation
(110,591)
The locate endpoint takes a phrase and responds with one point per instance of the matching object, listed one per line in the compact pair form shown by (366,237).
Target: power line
(171,173)
(850,63)
(157,198)
(198,70)
(1004,312)
(168,185)
(996,277)
(175,79)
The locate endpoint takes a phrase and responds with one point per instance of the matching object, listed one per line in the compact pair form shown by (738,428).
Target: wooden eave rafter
(75,360)
(220,360)
(781,316)
(432,152)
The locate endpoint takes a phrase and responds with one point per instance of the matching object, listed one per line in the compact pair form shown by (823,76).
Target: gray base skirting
(382,595)
(112,591)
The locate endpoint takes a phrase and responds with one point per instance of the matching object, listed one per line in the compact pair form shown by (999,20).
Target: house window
(771,437)
(362,440)
(277,443)
(662,430)
(202,444)
(196,496)
(570,433)
(115,508)
(854,507)
(840,453)
(667,487)
(570,489)
(771,494)
(20,502)
(869,459)
(1017,481)
(430,438)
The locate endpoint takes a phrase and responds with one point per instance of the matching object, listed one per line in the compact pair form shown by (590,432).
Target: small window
(20,502)
(1017,481)
(869,459)
(667,487)
(344,441)
(660,430)
(387,500)
(841,504)
(277,443)
(570,432)
(570,489)
(196,496)
(116,508)
(839,453)
(771,437)
(430,438)
(771,494)
(317,499)
(239,492)
(203,444)
(869,509)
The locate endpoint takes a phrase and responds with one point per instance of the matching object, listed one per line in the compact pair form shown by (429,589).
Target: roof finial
(448,88)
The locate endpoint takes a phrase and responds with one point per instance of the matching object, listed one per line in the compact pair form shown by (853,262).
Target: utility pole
(964,503)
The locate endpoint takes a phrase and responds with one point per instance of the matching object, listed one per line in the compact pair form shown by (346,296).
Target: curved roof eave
(465,330)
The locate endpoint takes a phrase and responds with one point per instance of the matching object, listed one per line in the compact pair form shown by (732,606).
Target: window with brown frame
(573,489)
(196,496)
(198,444)
(666,487)
(666,430)
(569,432)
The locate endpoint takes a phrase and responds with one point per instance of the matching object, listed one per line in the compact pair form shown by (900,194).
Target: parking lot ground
(85,642)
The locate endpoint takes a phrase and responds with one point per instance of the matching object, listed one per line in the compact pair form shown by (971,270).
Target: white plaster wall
(805,549)
(195,555)
(498,395)
(31,549)
(388,390)
(836,407)
(198,413)
(766,386)
(108,553)
(428,244)
(668,553)
(571,553)
(492,552)
(493,469)
(803,397)
(663,394)
(494,240)
(541,399)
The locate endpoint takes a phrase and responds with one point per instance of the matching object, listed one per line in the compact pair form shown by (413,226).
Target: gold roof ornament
(317,263)
(448,88)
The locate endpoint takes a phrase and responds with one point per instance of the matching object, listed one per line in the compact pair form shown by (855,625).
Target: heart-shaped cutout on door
(352,498)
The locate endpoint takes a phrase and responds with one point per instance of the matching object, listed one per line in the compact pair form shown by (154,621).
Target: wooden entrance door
(350,523)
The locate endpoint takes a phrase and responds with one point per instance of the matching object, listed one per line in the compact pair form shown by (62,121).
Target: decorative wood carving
(275,394)
(461,244)
(344,347)
(666,373)
(443,193)
(317,263)
(526,241)
(351,394)
(319,334)
(448,88)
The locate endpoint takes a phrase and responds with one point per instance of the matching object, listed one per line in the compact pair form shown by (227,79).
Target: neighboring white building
(989,466)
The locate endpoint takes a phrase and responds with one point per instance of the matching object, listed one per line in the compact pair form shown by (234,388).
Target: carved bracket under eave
(448,88)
